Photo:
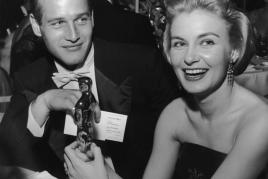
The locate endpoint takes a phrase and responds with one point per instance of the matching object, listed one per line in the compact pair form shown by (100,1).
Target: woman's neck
(217,103)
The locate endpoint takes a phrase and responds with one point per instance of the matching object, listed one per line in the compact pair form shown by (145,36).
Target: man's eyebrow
(82,14)
(55,19)
(62,18)
(207,34)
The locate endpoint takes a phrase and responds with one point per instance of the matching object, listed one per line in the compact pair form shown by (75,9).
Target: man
(110,23)
(129,80)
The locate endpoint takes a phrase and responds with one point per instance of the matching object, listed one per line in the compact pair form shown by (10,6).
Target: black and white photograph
(133,89)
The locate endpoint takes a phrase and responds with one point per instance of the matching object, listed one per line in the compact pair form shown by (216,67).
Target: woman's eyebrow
(177,38)
(208,33)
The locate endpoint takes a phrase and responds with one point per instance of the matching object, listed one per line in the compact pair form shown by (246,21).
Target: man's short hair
(36,9)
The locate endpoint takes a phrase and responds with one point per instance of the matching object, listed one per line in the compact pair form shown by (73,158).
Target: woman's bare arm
(166,146)
(250,152)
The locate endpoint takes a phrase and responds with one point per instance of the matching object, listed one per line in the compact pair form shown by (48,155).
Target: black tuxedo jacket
(132,80)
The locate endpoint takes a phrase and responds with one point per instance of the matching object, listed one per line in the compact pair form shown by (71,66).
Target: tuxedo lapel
(114,87)
(113,97)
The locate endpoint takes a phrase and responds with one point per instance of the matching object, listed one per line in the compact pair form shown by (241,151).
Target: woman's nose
(190,56)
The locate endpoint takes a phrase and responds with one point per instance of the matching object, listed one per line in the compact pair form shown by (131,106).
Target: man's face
(66,27)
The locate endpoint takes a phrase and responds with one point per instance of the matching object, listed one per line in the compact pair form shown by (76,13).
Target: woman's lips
(194,74)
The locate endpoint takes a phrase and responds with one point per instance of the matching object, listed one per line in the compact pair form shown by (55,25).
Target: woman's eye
(207,42)
(178,44)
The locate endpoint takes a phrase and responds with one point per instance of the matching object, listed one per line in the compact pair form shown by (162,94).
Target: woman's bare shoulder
(255,106)
(255,116)
(174,109)
(174,116)
(251,104)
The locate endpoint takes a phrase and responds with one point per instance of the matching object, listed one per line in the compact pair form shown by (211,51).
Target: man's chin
(71,64)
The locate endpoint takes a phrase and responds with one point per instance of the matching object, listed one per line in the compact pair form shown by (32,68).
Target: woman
(219,129)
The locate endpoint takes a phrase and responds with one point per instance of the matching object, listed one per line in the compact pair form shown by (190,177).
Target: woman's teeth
(195,71)
(194,74)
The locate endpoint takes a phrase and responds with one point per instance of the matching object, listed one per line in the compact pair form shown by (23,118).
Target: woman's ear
(168,58)
(35,26)
(166,51)
(234,55)
(165,43)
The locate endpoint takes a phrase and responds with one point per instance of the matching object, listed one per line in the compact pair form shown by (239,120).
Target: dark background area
(11,14)
(249,5)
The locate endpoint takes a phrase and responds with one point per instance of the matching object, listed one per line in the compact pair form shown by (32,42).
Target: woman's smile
(194,74)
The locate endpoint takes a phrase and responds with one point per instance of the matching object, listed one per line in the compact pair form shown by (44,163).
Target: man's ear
(35,26)
(235,55)
(92,17)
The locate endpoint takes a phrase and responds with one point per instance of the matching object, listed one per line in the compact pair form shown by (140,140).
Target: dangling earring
(230,73)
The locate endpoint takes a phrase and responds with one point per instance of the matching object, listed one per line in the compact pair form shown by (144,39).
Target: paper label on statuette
(111,126)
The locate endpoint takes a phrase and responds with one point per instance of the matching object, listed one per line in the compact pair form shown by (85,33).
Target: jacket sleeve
(19,142)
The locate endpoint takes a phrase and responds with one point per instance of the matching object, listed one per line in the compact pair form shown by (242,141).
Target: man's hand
(54,100)
(97,112)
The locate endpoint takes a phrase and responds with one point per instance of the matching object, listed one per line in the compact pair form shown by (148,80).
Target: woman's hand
(79,166)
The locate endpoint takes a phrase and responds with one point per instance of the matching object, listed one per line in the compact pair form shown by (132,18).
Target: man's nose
(72,33)
(190,56)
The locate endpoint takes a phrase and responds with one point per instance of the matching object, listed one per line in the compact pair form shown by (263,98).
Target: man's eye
(57,23)
(82,20)
(207,42)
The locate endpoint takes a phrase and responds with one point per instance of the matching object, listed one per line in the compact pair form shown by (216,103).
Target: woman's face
(200,50)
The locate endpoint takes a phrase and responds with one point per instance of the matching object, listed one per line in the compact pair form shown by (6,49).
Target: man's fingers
(76,93)
(97,113)
(61,99)
(71,99)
